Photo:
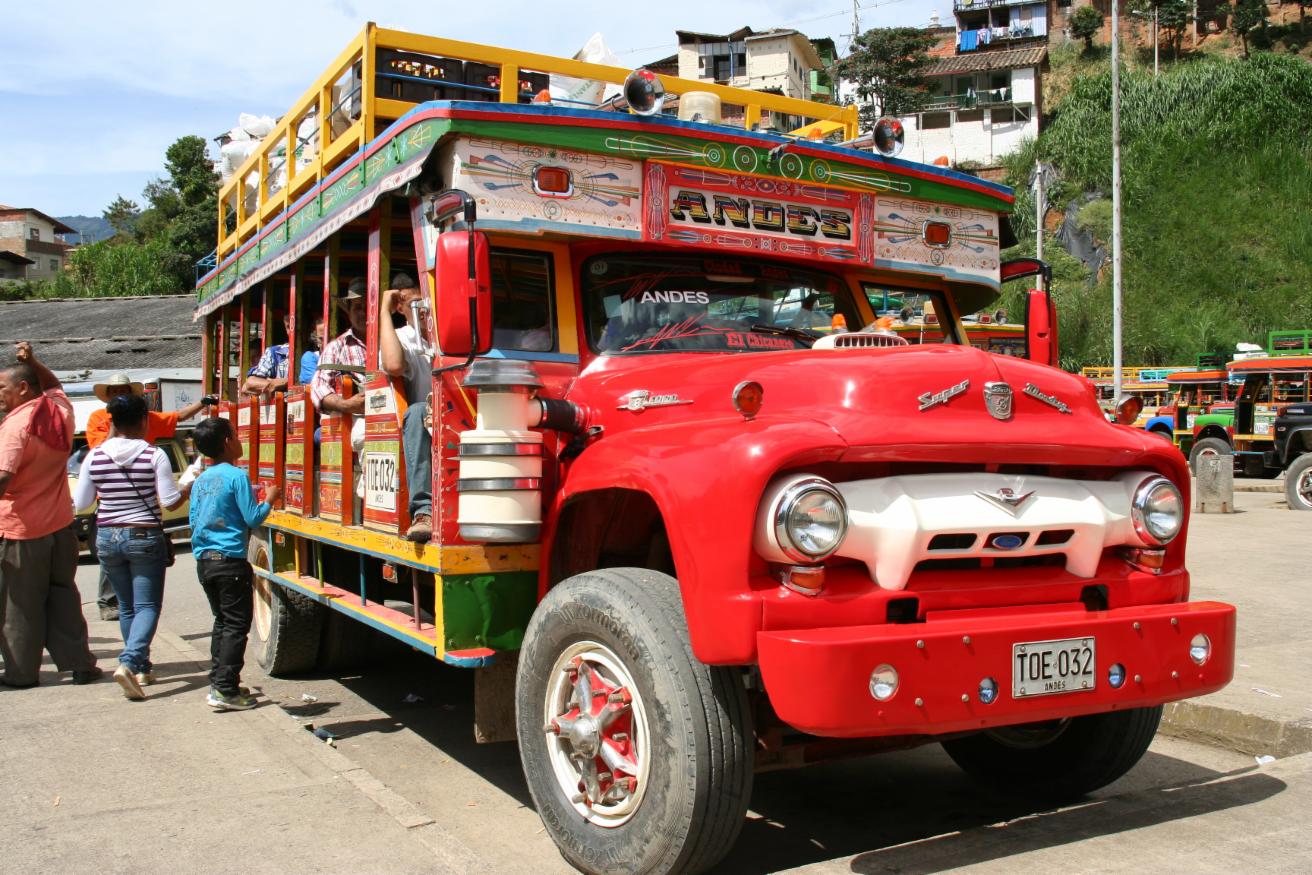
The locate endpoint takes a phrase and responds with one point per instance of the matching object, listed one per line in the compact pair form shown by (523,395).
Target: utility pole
(1039,211)
(856,25)
(1117,381)
(1154,40)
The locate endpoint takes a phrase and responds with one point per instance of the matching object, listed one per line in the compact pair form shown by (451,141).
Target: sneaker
(421,529)
(108,612)
(146,678)
(240,702)
(88,675)
(124,677)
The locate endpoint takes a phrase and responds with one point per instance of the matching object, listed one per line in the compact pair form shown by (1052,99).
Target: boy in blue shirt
(223,512)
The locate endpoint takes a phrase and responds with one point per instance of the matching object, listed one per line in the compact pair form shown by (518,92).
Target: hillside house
(35,238)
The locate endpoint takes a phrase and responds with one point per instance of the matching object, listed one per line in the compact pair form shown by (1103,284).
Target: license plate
(1046,668)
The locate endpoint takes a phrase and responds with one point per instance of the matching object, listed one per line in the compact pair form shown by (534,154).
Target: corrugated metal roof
(105,333)
(1006,59)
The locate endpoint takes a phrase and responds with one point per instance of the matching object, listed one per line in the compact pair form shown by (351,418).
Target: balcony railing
(974,5)
(982,37)
(972,100)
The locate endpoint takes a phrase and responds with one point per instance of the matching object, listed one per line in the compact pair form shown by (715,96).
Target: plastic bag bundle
(571,92)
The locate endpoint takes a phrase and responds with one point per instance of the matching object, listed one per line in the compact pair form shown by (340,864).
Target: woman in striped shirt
(131,478)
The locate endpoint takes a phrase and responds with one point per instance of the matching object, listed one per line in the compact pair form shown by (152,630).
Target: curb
(452,856)
(1236,730)
(1277,486)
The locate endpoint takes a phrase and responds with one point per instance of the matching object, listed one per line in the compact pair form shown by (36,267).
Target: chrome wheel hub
(1304,487)
(596,733)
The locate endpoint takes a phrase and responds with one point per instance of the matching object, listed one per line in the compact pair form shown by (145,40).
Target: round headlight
(810,520)
(1157,511)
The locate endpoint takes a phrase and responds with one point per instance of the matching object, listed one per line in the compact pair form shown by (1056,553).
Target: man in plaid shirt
(347,348)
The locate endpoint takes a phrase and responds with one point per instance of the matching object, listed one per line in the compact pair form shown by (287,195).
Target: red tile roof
(1005,59)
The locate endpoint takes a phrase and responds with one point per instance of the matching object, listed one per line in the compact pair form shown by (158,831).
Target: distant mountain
(90,229)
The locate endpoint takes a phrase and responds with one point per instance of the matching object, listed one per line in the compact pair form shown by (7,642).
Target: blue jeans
(418,445)
(134,559)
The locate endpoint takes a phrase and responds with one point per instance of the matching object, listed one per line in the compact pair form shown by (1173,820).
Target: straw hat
(116,380)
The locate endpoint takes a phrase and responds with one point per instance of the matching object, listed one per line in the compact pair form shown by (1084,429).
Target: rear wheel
(638,757)
(1059,759)
(286,624)
(1298,483)
(1208,448)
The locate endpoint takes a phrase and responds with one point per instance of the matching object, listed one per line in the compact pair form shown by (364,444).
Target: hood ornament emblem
(640,399)
(1006,498)
(1051,400)
(933,399)
(997,398)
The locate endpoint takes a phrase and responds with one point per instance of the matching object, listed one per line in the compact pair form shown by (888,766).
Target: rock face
(1214,489)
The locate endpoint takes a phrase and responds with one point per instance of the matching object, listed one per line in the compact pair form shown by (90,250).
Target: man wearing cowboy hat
(158,427)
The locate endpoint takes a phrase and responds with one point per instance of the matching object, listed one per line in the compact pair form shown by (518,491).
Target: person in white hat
(158,427)
(161,425)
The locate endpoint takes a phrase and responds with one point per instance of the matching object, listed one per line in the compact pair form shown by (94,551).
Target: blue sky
(94,92)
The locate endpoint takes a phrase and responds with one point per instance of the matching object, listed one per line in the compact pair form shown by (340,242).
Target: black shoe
(88,675)
(108,612)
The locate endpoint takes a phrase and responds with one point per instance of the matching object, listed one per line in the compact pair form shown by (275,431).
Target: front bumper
(818,680)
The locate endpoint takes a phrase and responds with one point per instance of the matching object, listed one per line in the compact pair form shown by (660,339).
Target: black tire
(1208,446)
(286,626)
(1164,434)
(346,643)
(1298,483)
(697,727)
(1059,760)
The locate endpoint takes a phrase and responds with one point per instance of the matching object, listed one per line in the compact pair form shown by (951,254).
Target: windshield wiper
(786,331)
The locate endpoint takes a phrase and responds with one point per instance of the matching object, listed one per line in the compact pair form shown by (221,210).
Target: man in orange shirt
(40,607)
(158,427)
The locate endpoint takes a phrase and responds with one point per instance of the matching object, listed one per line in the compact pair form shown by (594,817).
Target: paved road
(1186,806)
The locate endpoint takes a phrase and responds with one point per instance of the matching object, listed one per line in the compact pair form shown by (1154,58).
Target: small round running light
(1128,410)
(748,397)
(1157,511)
(988,691)
(883,682)
(1200,649)
(1116,676)
(643,92)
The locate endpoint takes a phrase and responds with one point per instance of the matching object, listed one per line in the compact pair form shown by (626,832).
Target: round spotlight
(883,682)
(1200,649)
(643,92)
(988,691)
(810,520)
(889,137)
(1116,676)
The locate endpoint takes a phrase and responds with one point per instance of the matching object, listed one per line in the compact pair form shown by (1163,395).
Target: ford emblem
(1006,542)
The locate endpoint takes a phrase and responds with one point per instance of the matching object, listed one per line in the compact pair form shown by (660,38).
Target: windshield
(663,303)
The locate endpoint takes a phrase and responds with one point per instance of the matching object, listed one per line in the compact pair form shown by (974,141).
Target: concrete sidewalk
(1256,559)
(96,783)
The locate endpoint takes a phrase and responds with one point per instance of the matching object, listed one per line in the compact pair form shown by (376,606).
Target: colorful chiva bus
(682,528)
(1266,385)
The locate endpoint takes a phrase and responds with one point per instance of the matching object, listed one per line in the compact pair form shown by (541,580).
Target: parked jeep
(1293,448)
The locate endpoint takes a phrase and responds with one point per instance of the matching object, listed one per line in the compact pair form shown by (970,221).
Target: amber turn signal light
(748,396)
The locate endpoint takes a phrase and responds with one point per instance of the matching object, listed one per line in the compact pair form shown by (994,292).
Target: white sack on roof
(582,93)
(258,126)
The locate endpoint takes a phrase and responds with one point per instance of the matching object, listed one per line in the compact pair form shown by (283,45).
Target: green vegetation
(1085,24)
(153,251)
(1217,184)
(886,63)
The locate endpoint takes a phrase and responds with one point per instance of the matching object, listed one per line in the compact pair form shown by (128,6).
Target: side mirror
(464,294)
(1040,327)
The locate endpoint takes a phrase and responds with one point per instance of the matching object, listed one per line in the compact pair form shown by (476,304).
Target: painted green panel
(487,610)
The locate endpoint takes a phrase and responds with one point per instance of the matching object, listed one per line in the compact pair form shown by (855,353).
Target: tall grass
(1217,175)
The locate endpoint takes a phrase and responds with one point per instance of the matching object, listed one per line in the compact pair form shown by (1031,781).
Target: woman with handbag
(132,479)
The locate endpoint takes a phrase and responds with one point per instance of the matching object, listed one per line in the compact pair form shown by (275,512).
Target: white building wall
(1022,85)
(982,141)
(772,64)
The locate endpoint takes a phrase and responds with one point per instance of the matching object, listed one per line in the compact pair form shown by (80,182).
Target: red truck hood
(873,399)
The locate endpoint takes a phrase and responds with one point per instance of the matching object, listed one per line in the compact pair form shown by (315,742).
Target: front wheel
(1058,760)
(1208,448)
(1298,483)
(638,757)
